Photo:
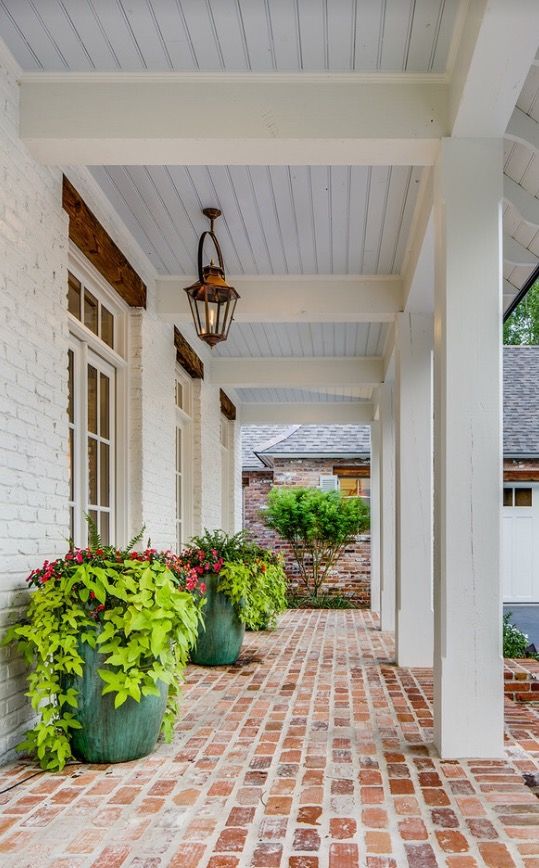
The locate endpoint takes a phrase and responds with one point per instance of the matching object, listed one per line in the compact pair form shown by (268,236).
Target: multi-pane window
(354,482)
(96,372)
(517,497)
(183,484)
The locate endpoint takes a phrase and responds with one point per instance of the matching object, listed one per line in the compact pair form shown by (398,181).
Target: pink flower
(78,557)
(202,588)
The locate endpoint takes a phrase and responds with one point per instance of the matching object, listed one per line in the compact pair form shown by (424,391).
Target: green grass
(324,601)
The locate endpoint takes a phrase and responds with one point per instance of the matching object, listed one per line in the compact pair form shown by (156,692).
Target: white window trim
(184,421)
(84,271)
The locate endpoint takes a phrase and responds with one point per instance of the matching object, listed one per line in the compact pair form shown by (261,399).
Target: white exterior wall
(237,476)
(209,490)
(33,385)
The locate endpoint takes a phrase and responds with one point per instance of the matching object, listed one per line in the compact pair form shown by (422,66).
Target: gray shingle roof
(332,441)
(521,401)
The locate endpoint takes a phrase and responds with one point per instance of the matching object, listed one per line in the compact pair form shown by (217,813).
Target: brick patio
(314,751)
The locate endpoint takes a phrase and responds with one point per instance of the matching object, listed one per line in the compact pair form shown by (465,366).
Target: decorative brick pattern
(521,680)
(351,576)
(313,751)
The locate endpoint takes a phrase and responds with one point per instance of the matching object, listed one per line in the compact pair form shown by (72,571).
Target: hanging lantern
(211,299)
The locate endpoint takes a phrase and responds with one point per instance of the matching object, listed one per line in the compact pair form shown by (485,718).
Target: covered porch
(363,230)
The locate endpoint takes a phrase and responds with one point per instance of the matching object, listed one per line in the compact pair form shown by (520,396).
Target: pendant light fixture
(211,298)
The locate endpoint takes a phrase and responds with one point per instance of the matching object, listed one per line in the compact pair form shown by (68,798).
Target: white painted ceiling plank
(41,42)
(396,34)
(286,217)
(116,28)
(339,215)
(375,218)
(284,32)
(202,38)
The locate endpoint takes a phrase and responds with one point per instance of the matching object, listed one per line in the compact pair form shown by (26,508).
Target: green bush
(318,525)
(324,601)
(515,642)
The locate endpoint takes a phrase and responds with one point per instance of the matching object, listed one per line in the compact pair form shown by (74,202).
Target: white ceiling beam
(526,204)
(417,260)
(295,372)
(226,119)
(295,298)
(516,254)
(523,129)
(326,413)
(498,44)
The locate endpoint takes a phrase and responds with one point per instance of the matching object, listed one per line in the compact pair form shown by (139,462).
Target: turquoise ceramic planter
(108,734)
(220,642)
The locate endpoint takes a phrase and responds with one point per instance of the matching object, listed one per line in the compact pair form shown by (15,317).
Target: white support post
(375,517)
(468,667)
(413,404)
(387,507)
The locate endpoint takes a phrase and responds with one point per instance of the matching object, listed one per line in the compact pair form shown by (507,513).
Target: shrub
(515,642)
(330,601)
(318,525)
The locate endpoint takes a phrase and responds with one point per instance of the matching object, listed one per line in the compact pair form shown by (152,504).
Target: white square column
(468,666)
(387,507)
(375,517)
(414,627)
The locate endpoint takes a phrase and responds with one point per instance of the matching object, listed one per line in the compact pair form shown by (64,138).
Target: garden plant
(130,616)
(318,525)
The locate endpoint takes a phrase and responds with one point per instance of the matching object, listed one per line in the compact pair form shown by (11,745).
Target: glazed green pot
(221,636)
(108,734)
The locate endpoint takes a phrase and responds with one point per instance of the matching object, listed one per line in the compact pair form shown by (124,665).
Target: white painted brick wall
(33,385)
(210,456)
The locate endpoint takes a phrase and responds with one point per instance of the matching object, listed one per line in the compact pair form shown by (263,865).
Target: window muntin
(518,497)
(96,405)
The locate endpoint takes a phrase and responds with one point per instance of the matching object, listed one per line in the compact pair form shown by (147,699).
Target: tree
(522,327)
(318,525)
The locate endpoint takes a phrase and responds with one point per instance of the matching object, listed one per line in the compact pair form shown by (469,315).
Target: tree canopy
(522,327)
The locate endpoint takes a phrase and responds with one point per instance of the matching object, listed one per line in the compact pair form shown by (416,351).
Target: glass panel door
(100,428)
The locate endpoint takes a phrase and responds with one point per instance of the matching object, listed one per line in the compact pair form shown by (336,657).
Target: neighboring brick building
(309,455)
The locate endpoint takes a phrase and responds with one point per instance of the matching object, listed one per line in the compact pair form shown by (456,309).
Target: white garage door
(520,543)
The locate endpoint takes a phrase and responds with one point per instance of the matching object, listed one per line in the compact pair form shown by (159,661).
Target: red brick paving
(314,752)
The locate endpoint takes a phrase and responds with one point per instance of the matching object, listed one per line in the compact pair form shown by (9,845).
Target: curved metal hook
(211,233)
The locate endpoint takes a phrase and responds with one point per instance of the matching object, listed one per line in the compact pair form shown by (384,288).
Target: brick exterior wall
(351,576)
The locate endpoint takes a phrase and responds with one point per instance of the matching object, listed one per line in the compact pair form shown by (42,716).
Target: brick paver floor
(313,752)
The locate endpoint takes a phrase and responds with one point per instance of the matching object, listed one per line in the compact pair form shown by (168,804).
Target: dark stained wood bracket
(362,471)
(95,243)
(227,407)
(187,357)
(523,474)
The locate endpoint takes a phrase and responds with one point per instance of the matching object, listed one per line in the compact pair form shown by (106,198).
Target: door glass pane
(70,375)
(523,497)
(73,295)
(104,475)
(104,527)
(92,470)
(92,399)
(107,326)
(508,497)
(104,406)
(90,311)
(93,517)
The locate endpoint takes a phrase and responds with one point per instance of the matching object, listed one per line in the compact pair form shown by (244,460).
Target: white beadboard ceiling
(521,164)
(231,35)
(271,340)
(305,396)
(276,219)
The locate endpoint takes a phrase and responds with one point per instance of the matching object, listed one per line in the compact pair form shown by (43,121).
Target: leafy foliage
(131,608)
(515,642)
(318,525)
(324,601)
(251,577)
(522,327)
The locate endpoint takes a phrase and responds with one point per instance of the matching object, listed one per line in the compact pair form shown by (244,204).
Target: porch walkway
(313,752)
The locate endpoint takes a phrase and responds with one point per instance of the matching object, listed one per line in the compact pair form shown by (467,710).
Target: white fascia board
(526,204)
(420,250)
(295,372)
(334,413)
(295,298)
(516,254)
(498,44)
(244,119)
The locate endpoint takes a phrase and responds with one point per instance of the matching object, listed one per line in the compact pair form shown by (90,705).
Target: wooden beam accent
(187,358)
(361,471)
(95,243)
(524,474)
(227,407)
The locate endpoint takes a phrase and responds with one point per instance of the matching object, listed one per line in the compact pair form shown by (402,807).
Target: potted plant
(107,634)
(243,586)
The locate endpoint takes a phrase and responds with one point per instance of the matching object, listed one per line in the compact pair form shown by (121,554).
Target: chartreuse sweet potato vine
(127,604)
